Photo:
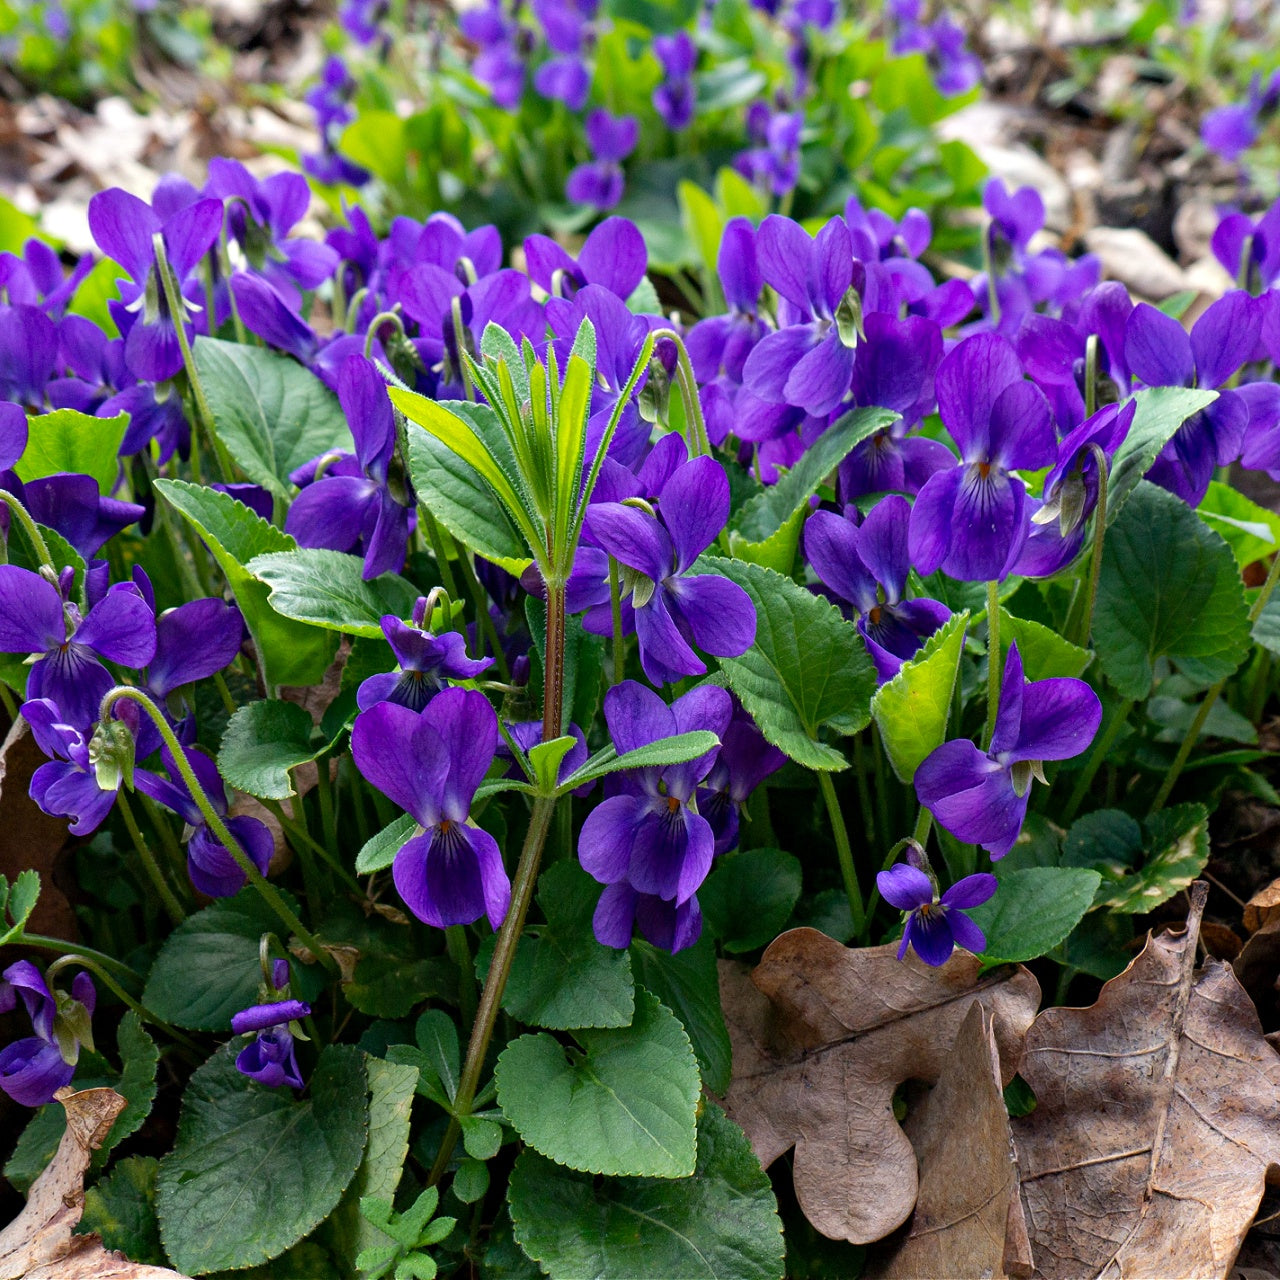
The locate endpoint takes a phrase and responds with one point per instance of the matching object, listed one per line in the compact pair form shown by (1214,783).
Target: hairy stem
(148,859)
(1101,749)
(34,536)
(843,851)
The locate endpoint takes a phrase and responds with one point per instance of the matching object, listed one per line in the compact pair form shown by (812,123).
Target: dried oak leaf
(1155,1120)
(968,1217)
(822,1036)
(38,1244)
(1262,907)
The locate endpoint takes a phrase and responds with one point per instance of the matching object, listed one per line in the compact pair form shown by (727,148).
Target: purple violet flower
(430,763)
(646,839)
(981,797)
(270,1058)
(867,564)
(669,608)
(612,256)
(674,98)
(970,521)
(33,1069)
(66,786)
(935,927)
(426,662)
(744,761)
(611,140)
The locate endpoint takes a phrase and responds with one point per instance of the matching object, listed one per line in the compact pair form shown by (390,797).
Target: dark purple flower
(744,761)
(426,662)
(270,1058)
(611,140)
(32,1070)
(612,256)
(934,926)
(330,100)
(37,618)
(981,797)
(267,314)
(867,564)
(775,163)
(646,834)
(28,354)
(674,98)
(67,786)
(565,79)
(430,763)
(669,925)
(13,434)
(970,521)
(1233,129)
(670,609)
(1160,352)
(340,511)
(73,506)
(36,278)
(1249,250)
(724,342)
(808,362)
(213,871)
(192,642)
(527,734)
(124,228)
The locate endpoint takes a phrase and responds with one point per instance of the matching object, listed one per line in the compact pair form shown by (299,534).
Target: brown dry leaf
(1263,906)
(38,1244)
(1258,969)
(1155,1122)
(33,839)
(968,1199)
(823,1035)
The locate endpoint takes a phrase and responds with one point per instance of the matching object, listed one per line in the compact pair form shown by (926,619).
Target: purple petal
(259,1017)
(403,756)
(669,925)
(632,537)
(264,312)
(990,526)
(785,255)
(192,642)
(694,506)
(614,256)
(1021,432)
(665,655)
(122,225)
(882,544)
(331,512)
(820,380)
(468,727)
(31,618)
(33,1070)
(608,836)
(65,791)
(1060,717)
(905,887)
(831,547)
(1013,684)
(190,233)
(1225,336)
(636,716)
(737,266)
(121,627)
(1157,348)
(614,920)
(768,368)
(672,854)
(972,891)
(971,796)
(968,383)
(931,938)
(967,934)
(930,532)
(720,613)
(362,393)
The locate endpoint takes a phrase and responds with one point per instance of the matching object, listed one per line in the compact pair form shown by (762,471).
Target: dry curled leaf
(968,1202)
(38,1244)
(823,1035)
(1262,907)
(1155,1121)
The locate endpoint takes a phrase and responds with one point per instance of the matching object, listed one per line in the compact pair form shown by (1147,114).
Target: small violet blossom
(867,564)
(646,841)
(669,608)
(430,763)
(270,1058)
(611,140)
(744,761)
(981,797)
(936,926)
(971,520)
(33,1069)
(426,662)
(674,98)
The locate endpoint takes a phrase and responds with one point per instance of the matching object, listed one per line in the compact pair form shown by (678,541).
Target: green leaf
(254,1169)
(37,1144)
(912,708)
(807,668)
(546,759)
(774,510)
(18,902)
(1161,411)
(327,589)
(121,1208)
(379,851)
(1172,847)
(481,1138)
(1034,909)
(470,1181)
(391,1090)
(625,1104)
(456,494)
(677,749)
(208,968)
(1169,588)
(1252,532)
(749,897)
(703,222)
(688,983)
(1266,630)
(377,141)
(1043,651)
(66,440)
(271,413)
(720,1224)
(292,653)
(561,976)
(64,556)
(261,743)
(139,1058)
(437,1037)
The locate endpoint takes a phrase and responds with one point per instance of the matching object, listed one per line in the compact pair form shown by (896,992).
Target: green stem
(865,801)
(993,296)
(1257,696)
(495,984)
(1189,742)
(1101,749)
(216,824)
(8,703)
(993,661)
(455,940)
(38,544)
(843,851)
(1099,539)
(919,837)
(177,856)
(298,835)
(1091,375)
(149,863)
(63,947)
(89,961)
(371,333)
(615,608)
(484,620)
(177,310)
(699,441)
(438,550)
(328,814)
(882,786)
(553,664)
